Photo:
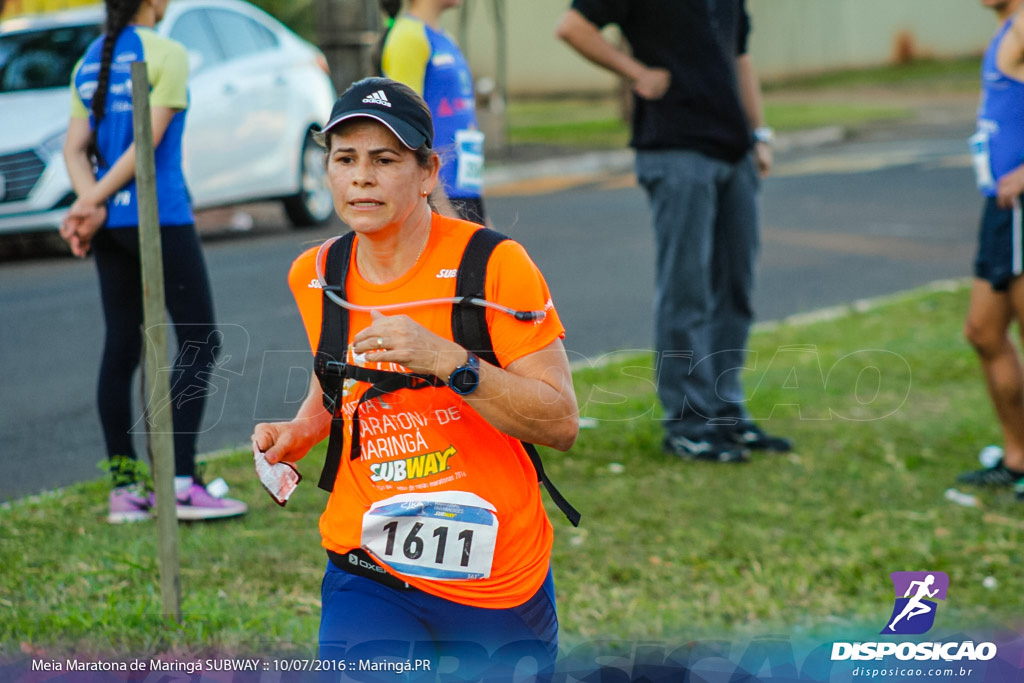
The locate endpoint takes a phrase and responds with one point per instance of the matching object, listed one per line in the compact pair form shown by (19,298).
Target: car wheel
(313,205)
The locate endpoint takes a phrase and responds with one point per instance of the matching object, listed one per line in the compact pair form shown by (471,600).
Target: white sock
(182,484)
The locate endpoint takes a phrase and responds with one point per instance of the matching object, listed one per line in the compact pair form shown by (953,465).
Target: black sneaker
(751,436)
(707,451)
(997,475)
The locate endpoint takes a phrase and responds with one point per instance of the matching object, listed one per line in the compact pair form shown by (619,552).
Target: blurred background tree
(345,30)
(298,15)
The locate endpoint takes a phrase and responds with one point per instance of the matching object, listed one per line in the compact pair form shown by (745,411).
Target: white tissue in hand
(279,479)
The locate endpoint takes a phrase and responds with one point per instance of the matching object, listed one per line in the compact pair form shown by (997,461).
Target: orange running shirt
(429,444)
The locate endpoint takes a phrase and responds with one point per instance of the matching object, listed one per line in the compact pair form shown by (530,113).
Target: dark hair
(119,14)
(390,8)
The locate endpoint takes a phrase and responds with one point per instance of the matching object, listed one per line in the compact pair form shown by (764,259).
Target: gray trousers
(707,240)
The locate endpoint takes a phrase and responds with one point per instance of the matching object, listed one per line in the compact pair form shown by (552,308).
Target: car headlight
(52,146)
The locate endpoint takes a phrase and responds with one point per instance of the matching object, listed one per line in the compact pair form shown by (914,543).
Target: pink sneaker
(128,505)
(197,503)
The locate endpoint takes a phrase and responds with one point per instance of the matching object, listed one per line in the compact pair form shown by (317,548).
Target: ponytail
(390,8)
(119,14)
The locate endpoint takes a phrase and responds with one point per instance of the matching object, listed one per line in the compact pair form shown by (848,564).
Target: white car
(256,92)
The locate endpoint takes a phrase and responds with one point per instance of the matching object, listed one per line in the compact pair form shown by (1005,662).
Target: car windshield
(34,60)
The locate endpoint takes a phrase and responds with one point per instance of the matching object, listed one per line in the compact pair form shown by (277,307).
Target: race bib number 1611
(448,536)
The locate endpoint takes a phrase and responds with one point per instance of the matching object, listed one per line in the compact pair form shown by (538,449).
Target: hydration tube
(525,316)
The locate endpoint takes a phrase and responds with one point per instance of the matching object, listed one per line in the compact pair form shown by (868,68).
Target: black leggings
(187,293)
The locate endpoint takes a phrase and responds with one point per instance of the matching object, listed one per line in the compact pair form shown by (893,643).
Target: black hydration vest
(469,330)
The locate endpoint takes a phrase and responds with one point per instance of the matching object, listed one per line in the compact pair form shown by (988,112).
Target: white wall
(789,37)
(801,36)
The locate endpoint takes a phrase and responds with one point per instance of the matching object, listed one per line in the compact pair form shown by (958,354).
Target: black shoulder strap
(334,325)
(469,322)
(334,340)
(469,329)
(571,513)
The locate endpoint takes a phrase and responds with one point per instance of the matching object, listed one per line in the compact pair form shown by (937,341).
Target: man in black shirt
(701,146)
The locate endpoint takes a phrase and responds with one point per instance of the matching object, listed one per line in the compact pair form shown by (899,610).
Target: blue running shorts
(1000,255)
(371,632)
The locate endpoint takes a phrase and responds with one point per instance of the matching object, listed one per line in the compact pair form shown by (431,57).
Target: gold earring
(424,193)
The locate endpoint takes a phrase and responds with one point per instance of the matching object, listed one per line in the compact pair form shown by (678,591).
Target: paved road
(840,223)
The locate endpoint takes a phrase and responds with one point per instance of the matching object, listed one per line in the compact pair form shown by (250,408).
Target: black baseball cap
(396,106)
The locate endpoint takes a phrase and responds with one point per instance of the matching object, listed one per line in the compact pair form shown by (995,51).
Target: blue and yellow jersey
(167,67)
(429,61)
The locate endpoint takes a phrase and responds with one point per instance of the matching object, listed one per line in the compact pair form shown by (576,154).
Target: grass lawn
(597,124)
(922,75)
(885,404)
(584,123)
(791,104)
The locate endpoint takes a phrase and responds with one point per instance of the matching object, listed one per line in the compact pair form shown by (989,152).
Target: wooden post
(347,31)
(160,434)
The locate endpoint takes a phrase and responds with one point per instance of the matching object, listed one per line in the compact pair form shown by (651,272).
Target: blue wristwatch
(465,378)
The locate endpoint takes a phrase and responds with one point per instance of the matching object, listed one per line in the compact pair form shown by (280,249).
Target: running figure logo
(914,612)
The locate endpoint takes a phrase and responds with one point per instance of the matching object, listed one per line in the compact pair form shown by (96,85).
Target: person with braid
(417,52)
(100,157)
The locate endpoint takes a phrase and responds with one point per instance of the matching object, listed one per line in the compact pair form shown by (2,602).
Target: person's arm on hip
(648,82)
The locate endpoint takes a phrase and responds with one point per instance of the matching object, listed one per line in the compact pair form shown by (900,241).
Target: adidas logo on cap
(377,98)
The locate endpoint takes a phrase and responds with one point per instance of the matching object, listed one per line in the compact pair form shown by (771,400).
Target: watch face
(464,380)
(466,377)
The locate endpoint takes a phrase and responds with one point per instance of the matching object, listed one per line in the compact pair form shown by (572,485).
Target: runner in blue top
(167,64)
(1000,133)
(100,157)
(997,296)
(420,54)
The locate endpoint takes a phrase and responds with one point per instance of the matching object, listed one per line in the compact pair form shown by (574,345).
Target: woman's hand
(283,441)
(399,339)
(290,441)
(532,399)
(80,224)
